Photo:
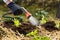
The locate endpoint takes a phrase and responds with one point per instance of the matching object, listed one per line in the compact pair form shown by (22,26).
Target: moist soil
(10,32)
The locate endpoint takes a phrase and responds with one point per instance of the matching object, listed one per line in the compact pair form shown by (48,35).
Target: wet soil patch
(50,26)
(25,28)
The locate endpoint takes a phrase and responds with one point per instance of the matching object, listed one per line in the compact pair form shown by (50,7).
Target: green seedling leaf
(37,38)
(16,22)
(45,38)
(57,24)
(32,33)
(44,12)
(43,21)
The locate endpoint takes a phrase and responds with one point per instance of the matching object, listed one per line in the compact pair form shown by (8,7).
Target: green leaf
(45,38)
(43,21)
(57,24)
(16,22)
(32,33)
(37,38)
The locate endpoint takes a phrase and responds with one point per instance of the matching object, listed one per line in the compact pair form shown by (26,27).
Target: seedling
(37,37)
(42,16)
(57,24)
(17,20)
(32,33)
(43,20)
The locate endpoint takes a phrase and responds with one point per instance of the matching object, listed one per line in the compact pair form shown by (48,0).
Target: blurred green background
(32,5)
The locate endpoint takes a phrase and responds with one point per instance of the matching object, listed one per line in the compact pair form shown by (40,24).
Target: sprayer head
(33,21)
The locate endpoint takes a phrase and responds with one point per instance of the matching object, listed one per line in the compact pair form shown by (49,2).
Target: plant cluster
(41,16)
(37,37)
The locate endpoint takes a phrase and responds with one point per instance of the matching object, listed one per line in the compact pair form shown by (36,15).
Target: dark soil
(25,28)
(50,26)
(47,29)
